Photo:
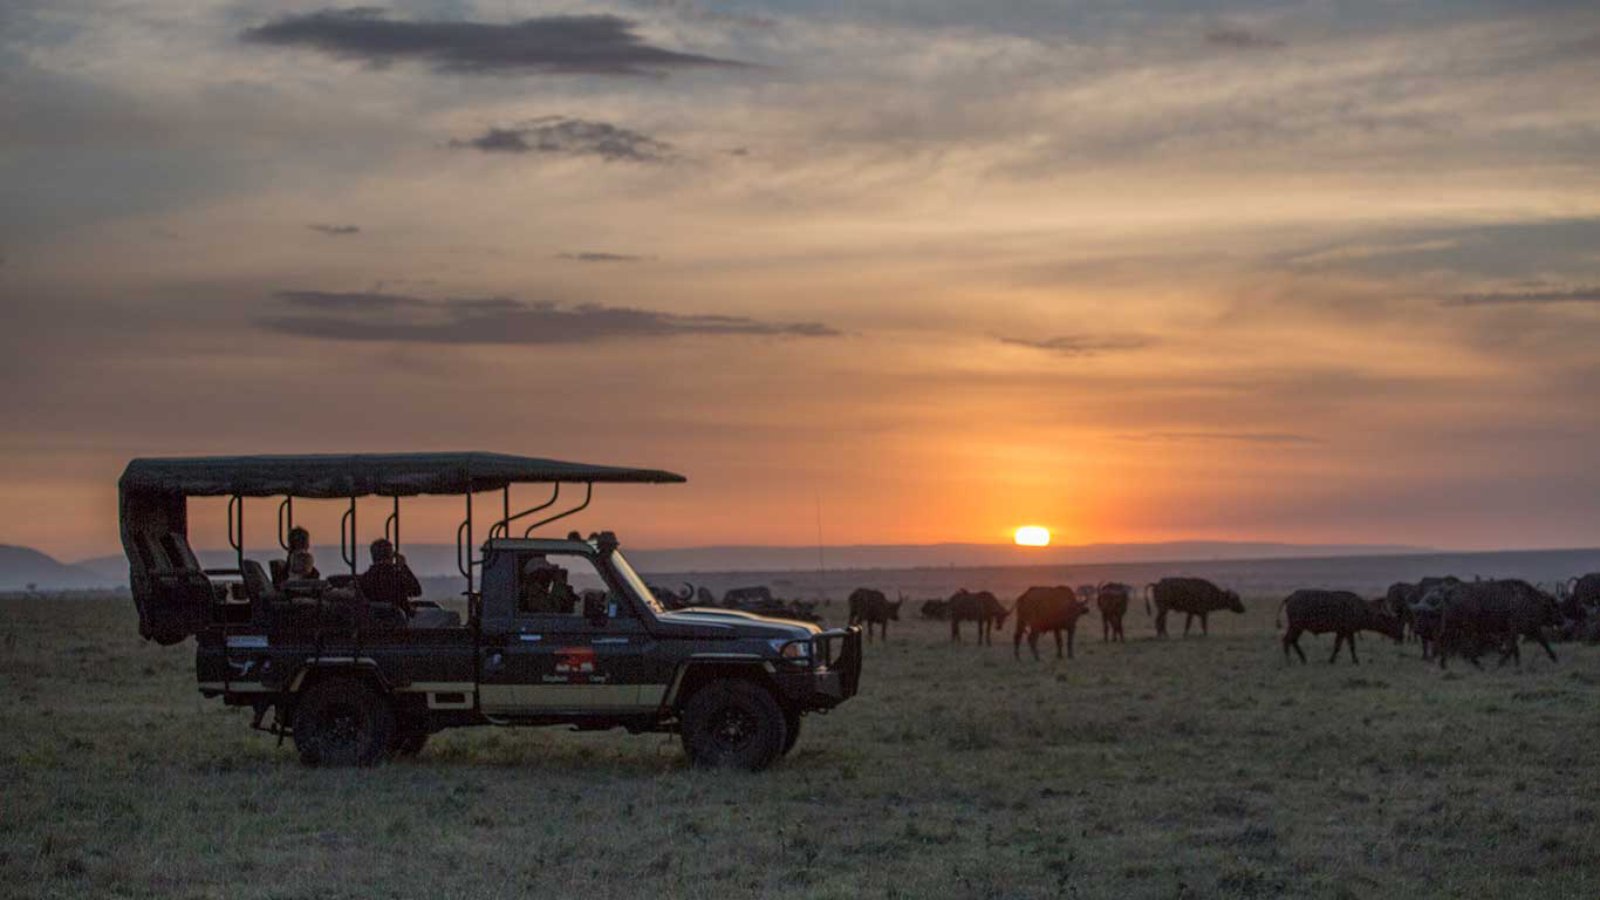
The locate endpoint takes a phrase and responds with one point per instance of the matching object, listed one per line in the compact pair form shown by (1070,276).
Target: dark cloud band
(1516,298)
(1082,344)
(368,316)
(594,44)
(563,136)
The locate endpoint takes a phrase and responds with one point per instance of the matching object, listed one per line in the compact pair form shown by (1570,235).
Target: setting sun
(1033,536)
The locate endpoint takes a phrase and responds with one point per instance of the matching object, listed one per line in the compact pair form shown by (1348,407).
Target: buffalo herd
(1447,617)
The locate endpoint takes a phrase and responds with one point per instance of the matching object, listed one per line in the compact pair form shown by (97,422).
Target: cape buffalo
(1479,615)
(1190,596)
(873,608)
(1041,609)
(981,607)
(1340,612)
(748,598)
(936,609)
(1112,598)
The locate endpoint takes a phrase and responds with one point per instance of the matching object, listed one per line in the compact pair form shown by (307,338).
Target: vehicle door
(554,660)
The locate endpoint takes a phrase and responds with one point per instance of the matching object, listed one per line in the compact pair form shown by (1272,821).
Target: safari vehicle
(354,682)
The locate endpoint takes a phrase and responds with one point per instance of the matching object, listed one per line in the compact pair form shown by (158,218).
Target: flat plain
(1159,768)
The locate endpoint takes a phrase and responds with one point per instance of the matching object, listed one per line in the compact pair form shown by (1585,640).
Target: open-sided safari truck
(354,681)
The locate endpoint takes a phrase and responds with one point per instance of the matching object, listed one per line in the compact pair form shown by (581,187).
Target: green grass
(1199,767)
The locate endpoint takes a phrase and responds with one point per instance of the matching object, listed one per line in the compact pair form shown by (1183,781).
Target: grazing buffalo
(981,607)
(1579,599)
(1340,612)
(1190,596)
(747,597)
(1586,590)
(1041,609)
(1480,615)
(936,609)
(871,607)
(1112,598)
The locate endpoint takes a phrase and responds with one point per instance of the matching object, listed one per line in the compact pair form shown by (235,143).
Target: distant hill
(24,566)
(439,560)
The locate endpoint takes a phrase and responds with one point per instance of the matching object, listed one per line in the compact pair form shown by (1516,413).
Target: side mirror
(594,608)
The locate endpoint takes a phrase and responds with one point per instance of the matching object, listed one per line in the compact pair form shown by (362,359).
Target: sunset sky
(1317,271)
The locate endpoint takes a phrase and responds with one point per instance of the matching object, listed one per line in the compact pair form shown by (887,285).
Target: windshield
(636,584)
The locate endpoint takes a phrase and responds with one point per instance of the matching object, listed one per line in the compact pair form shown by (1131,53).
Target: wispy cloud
(592,44)
(1234,38)
(371,316)
(597,257)
(335,230)
(1238,437)
(563,136)
(1082,344)
(1515,298)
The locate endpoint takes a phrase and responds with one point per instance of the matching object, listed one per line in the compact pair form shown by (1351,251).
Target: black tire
(791,725)
(733,724)
(343,722)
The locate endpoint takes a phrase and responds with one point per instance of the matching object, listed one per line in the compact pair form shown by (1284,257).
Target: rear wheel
(343,722)
(734,724)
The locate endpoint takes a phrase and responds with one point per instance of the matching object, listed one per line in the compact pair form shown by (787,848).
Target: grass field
(1199,767)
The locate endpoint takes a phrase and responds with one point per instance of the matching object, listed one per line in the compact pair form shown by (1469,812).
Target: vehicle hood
(743,624)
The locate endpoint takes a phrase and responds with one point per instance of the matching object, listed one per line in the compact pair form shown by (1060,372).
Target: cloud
(1241,437)
(561,135)
(374,316)
(1242,39)
(591,45)
(594,257)
(1518,298)
(1082,344)
(335,229)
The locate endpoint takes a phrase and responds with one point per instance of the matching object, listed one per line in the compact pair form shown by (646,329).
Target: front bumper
(837,675)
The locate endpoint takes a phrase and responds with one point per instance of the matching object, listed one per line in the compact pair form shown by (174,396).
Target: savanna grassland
(1198,767)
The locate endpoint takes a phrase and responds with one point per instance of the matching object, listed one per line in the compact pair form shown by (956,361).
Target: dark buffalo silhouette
(936,609)
(981,607)
(1112,598)
(870,607)
(1480,615)
(759,596)
(1190,596)
(1340,612)
(1586,590)
(1041,609)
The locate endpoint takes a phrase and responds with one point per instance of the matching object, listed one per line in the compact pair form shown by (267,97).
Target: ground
(1183,767)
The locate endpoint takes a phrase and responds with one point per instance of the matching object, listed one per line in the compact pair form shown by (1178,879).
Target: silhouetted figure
(389,579)
(301,564)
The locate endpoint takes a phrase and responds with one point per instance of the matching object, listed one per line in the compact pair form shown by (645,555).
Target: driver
(544,589)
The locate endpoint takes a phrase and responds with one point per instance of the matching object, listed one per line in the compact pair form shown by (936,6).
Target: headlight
(798,652)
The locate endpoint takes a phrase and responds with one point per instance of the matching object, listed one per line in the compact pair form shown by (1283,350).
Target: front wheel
(343,722)
(791,725)
(734,724)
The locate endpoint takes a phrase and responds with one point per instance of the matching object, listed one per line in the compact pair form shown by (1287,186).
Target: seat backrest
(256,583)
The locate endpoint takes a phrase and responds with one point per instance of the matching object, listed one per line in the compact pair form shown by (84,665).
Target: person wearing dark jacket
(389,579)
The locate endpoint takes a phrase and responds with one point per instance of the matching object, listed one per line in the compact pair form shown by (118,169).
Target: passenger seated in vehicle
(302,565)
(544,589)
(389,580)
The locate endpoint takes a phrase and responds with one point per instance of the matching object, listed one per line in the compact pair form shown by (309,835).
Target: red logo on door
(575,662)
